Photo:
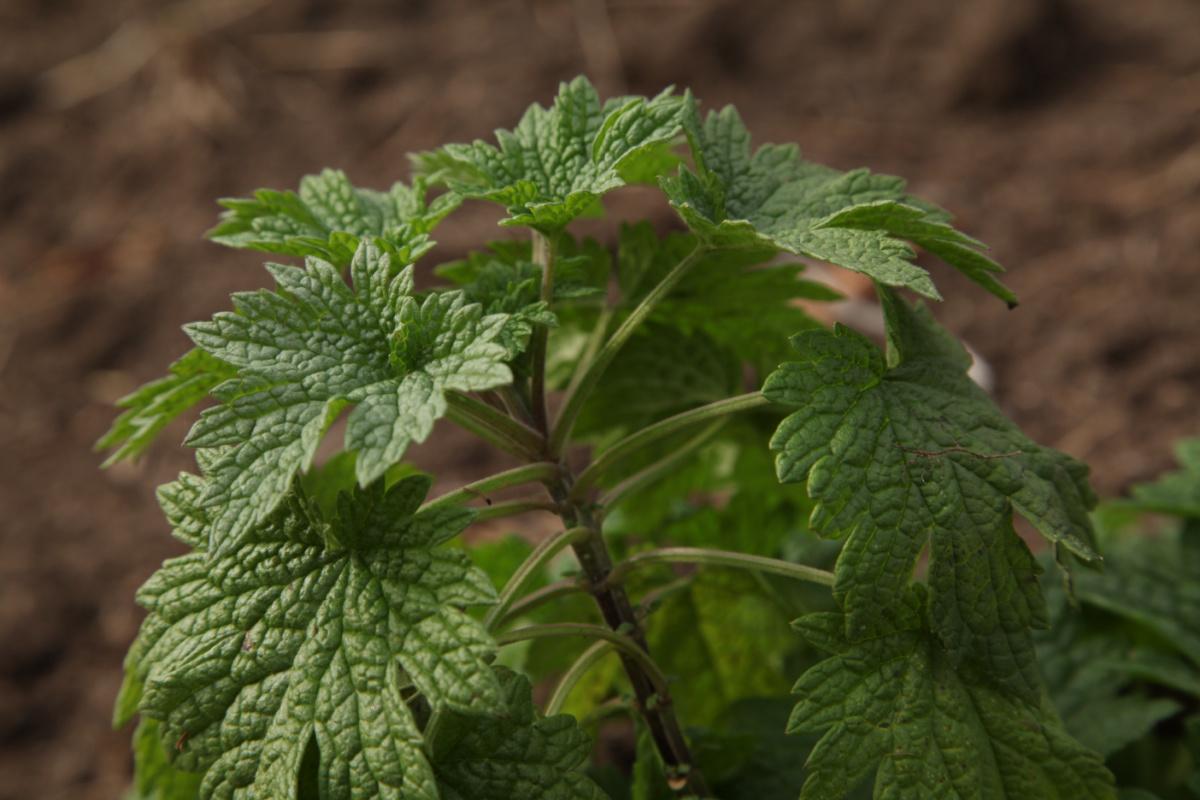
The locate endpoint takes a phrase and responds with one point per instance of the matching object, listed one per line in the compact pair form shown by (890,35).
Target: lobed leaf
(522,754)
(313,348)
(557,162)
(911,452)
(286,638)
(329,218)
(772,200)
(152,407)
(897,702)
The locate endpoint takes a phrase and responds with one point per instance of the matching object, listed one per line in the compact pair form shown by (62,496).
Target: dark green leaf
(519,755)
(933,729)
(913,451)
(775,201)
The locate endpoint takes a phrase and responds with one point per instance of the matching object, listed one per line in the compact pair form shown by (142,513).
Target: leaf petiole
(529,473)
(721,558)
(495,427)
(618,641)
(574,400)
(528,571)
(659,468)
(652,433)
(544,251)
(571,677)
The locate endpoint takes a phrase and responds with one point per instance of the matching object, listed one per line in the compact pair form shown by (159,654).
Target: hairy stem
(625,644)
(544,251)
(529,473)
(571,677)
(574,400)
(658,430)
(528,572)
(721,558)
(495,426)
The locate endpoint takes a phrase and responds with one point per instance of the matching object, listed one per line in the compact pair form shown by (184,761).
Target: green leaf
(246,657)
(659,372)
(775,201)
(153,406)
(521,754)
(557,162)
(913,451)
(313,348)
(330,217)
(1154,585)
(153,776)
(1176,493)
(749,308)
(933,729)
(1089,676)
(722,640)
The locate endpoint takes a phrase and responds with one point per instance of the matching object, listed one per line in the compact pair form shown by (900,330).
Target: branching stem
(495,426)
(659,468)
(547,594)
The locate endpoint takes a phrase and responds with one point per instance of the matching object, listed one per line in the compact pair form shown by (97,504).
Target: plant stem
(658,430)
(625,644)
(659,468)
(528,571)
(544,251)
(547,594)
(723,558)
(495,427)
(513,507)
(574,400)
(541,472)
(571,677)
(653,701)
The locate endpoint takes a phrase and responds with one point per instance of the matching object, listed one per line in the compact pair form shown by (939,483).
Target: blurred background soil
(1062,132)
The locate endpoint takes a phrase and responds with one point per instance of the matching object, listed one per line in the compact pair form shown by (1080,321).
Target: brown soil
(1062,132)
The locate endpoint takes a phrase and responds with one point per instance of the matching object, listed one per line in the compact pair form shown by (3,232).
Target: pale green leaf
(330,217)
(246,657)
(558,162)
(313,348)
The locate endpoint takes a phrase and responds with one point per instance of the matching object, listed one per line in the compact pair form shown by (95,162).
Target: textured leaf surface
(154,778)
(330,217)
(314,347)
(911,452)
(558,161)
(933,729)
(521,754)
(152,407)
(246,658)
(772,200)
